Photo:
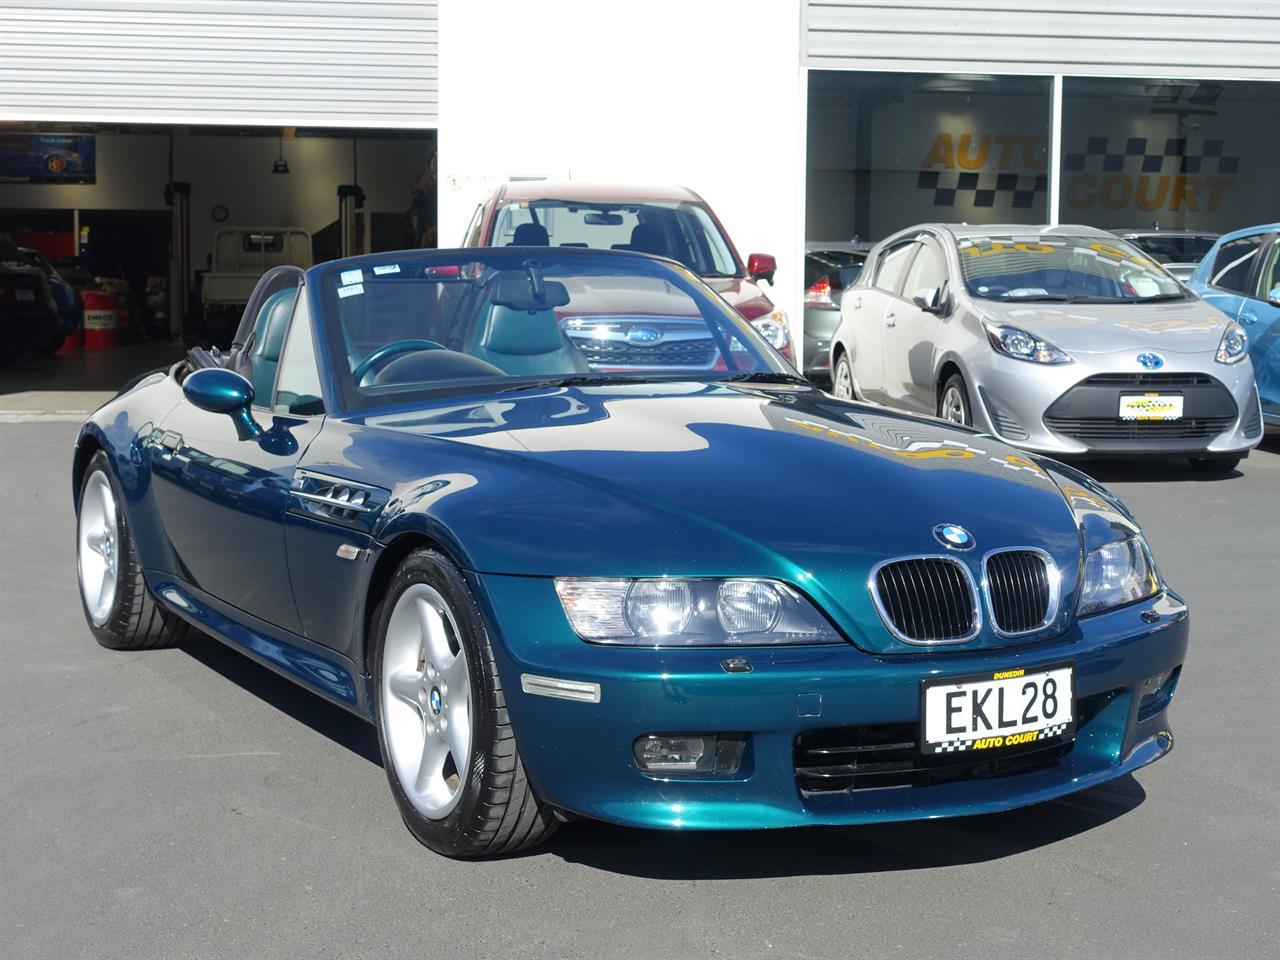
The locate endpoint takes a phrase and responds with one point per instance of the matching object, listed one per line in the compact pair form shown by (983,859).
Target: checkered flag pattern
(1049,732)
(1099,156)
(953,745)
(985,187)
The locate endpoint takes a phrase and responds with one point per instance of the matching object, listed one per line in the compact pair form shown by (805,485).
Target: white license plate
(1008,708)
(1151,406)
(25,294)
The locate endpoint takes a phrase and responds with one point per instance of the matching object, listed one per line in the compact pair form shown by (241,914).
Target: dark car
(1178,251)
(664,221)
(29,315)
(829,267)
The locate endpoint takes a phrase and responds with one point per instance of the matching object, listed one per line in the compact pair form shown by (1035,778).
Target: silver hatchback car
(1064,340)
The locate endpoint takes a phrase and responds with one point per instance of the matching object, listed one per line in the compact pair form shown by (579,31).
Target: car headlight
(773,327)
(1115,574)
(1234,345)
(1021,345)
(672,612)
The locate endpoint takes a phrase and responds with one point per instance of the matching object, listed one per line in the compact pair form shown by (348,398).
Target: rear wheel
(121,612)
(446,738)
(842,379)
(953,402)
(1209,465)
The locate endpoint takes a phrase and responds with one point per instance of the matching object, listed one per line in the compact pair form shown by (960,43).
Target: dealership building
(133,131)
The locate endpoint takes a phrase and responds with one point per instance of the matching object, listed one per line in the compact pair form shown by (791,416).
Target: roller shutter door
(272,62)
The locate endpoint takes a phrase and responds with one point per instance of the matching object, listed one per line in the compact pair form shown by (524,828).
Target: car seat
(530,235)
(268,340)
(520,333)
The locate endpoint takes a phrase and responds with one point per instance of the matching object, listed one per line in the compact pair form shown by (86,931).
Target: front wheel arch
(384,568)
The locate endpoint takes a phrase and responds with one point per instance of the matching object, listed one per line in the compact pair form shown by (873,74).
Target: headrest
(522,333)
(530,235)
(647,238)
(514,289)
(273,320)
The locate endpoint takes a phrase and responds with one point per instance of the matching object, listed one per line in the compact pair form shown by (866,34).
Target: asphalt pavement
(189,803)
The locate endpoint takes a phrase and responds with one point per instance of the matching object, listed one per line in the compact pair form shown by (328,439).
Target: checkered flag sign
(953,745)
(1144,155)
(984,187)
(1053,731)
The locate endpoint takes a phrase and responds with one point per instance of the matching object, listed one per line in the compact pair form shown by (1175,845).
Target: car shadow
(815,851)
(1152,470)
(326,719)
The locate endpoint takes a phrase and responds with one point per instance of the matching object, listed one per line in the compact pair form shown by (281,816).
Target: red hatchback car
(671,222)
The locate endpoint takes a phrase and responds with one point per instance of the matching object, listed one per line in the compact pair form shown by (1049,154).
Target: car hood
(703,480)
(743,294)
(1177,326)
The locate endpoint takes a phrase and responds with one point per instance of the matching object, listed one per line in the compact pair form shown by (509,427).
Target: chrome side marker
(578,690)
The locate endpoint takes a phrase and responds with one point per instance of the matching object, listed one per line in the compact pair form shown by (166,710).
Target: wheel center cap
(435,701)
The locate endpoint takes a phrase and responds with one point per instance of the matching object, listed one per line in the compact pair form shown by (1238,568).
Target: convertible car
(692,599)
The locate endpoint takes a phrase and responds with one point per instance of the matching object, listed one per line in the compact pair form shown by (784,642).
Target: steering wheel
(389,350)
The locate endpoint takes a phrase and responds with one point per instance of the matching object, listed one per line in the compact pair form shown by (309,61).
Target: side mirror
(761,266)
(1273,297)
(929,300)
(221,391)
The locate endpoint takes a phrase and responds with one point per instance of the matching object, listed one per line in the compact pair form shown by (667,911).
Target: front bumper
(1040,408)
(579,754)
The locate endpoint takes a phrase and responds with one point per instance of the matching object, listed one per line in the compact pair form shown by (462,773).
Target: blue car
(667,585)
(1240,276)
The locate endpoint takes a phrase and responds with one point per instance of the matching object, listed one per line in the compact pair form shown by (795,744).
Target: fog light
(1157,691)
(704,754)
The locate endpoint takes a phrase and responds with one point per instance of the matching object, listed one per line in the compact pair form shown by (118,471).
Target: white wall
(132,169)
(705,94)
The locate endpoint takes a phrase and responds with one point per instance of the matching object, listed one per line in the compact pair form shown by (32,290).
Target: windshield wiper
(763,376)
(1042,298)
(1157,297)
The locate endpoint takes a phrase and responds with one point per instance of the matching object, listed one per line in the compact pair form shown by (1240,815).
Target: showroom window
(890,150)
(1184,154)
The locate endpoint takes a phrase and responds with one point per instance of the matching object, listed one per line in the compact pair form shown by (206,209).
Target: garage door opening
(170,226)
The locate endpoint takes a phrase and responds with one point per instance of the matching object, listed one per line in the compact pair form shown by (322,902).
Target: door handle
(890,320)
(1248,319)
(170,443)
(857,302)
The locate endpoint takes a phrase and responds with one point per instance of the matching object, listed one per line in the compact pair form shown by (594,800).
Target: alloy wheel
(426,697)
(842,386)
(97,548)
(953,406)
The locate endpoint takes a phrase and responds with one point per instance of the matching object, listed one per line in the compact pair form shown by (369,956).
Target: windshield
(1174,249)
(1062,268)
(682,231)
(412,324)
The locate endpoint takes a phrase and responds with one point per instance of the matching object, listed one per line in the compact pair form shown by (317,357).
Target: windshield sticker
(351,276)
(1000,246)
(351,291)
(386,268)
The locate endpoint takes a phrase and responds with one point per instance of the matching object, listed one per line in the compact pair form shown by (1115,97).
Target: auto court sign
(1148,174)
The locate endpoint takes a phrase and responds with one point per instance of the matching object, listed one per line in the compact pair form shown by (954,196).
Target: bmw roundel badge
(953,536)
(1152,361)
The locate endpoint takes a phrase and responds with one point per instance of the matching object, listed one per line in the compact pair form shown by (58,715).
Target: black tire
(51,345)
(498,811)
(135,621)
(955,386)
(841,375)
(1214,465)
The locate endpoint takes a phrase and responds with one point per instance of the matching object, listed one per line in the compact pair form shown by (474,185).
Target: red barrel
(100,319)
